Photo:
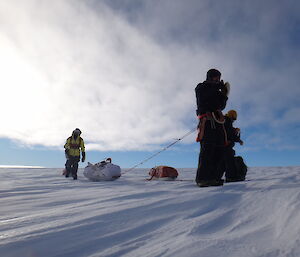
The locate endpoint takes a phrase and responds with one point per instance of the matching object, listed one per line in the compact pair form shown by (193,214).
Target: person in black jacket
(233,136)
(211,98)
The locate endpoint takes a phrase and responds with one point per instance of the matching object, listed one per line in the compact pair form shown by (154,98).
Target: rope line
(160,151)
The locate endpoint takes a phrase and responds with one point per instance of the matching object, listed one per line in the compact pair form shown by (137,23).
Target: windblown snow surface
(44,214)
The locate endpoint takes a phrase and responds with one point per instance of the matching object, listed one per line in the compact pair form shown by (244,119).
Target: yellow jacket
(74,145)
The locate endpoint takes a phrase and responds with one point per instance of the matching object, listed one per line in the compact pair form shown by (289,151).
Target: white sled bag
(102,171)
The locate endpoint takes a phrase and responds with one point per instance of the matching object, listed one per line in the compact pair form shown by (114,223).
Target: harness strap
(212,117)
(74,146)
(226,142)
(219,113)
(220,119)
(201,129)
(202,116)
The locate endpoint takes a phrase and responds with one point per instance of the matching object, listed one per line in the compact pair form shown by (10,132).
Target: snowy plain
(44,214)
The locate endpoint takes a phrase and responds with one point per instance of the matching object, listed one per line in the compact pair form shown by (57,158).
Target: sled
(163,173)
(102,171)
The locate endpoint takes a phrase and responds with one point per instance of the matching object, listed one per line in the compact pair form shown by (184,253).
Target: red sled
(163,173)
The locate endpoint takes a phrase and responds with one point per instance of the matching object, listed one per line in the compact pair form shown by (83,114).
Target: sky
(124,72)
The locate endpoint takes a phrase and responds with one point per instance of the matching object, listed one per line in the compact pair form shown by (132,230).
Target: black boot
(238,179)
(203,183)
(217,182)
(208,183)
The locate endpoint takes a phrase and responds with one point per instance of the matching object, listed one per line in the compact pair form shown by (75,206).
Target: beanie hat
(77,131)
(232,114)
(212,73)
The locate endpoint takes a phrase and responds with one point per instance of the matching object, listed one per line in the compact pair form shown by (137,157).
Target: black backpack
(241,167)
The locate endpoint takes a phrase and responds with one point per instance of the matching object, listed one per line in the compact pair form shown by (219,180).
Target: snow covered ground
(44,214)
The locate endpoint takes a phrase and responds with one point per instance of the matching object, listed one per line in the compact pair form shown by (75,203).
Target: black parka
(211,96)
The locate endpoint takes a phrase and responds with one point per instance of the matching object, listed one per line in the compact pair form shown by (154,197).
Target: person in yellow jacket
(73,147)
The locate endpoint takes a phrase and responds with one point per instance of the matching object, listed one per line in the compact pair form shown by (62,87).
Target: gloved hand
(83,157)
(237,132)
(227,88)
(224,87)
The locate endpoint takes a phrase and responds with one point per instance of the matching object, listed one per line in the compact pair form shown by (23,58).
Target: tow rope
(160,151)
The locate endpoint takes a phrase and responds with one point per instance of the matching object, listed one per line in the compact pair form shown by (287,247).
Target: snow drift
(45,214)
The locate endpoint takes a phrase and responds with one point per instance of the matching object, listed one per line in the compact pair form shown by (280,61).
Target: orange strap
(202,116)
(201,129)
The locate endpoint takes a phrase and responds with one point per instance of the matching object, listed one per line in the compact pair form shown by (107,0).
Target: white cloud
(128,82)
(66,66)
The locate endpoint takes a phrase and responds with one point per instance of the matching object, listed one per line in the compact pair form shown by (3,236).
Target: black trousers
(211,152)
(72,165)
(228,165)
(210,159)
